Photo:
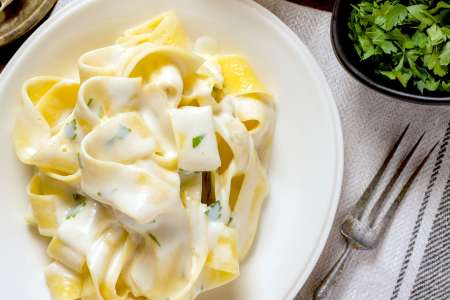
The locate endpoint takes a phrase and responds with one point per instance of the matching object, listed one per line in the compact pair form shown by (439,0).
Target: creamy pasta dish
(150,170)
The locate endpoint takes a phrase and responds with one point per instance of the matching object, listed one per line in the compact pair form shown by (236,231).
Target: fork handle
(330,280)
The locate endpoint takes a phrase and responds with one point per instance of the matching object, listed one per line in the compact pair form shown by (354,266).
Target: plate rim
(338,134)
(329,102)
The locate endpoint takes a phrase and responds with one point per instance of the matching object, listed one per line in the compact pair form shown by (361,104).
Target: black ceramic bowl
(347,56)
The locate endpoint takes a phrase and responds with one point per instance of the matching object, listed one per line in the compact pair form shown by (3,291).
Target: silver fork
(368,220)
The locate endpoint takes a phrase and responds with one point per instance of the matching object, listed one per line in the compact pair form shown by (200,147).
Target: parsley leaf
(420,40)
(75,210)
(418,14)
(444,56)
(122,132)
(404,41)
(379,38)
(70,130)
(197,140)
(390,15)
(400,73)
(436,35)
(214,211)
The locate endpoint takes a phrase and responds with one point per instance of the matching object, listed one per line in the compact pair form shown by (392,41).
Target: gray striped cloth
(413,259)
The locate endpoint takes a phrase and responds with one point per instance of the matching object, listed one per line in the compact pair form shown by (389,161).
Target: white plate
(308,151)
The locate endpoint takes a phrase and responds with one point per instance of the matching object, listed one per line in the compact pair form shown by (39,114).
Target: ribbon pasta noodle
(150,172)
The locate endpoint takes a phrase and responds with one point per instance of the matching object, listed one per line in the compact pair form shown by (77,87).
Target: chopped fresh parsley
(122,132)
(99,194)
(405,41)
(70,130)
(75,210)
(154,239)
(214,211)
(197,140)
(90,102)
(229,221)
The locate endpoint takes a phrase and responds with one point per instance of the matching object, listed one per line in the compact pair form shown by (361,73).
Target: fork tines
(374,216)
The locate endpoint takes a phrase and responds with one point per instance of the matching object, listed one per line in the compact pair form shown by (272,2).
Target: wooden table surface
(7,51)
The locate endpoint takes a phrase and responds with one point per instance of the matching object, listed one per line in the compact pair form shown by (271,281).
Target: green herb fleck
(154,239)
(197,140)
(122,132)
(99,194)
(90,102)
(70,130)
(214,211)
(229,221)
(75,210)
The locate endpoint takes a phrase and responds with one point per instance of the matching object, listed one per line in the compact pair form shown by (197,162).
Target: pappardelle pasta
(150,172)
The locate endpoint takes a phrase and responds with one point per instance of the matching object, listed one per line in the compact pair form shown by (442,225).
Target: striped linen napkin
(413,259)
